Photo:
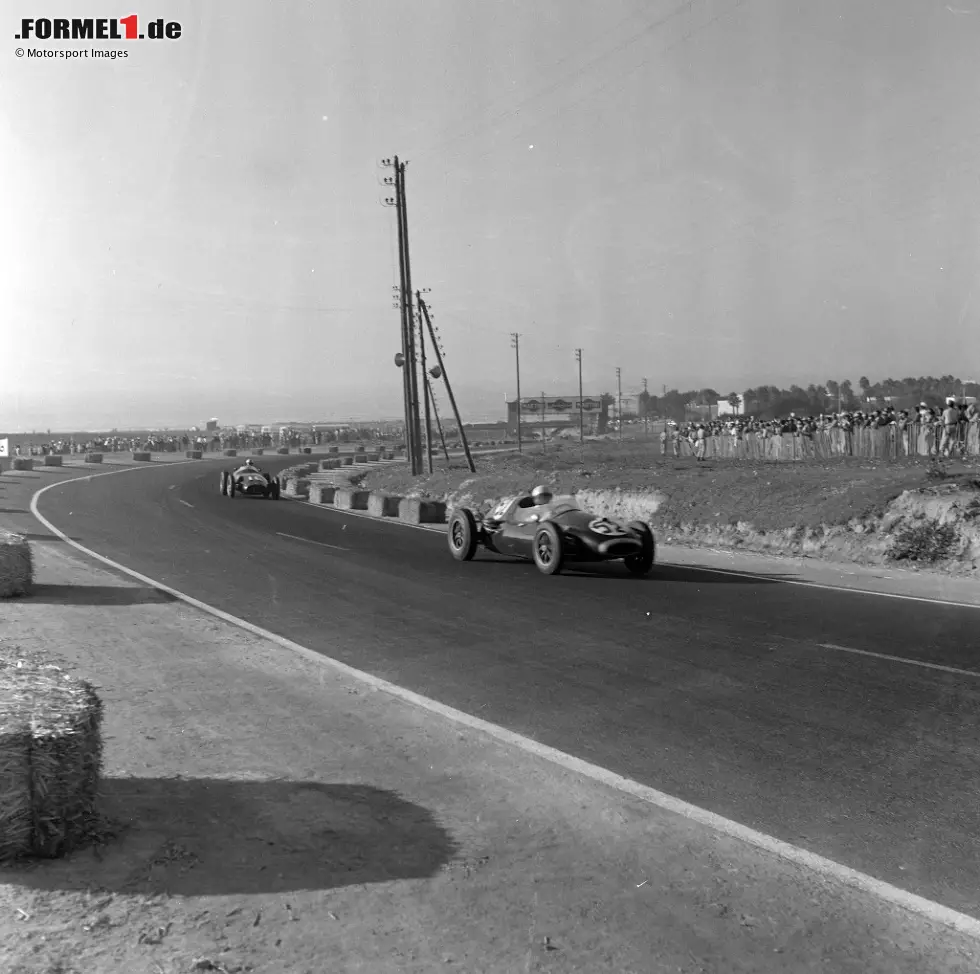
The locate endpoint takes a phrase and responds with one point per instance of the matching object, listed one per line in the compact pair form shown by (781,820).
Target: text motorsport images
(91,29)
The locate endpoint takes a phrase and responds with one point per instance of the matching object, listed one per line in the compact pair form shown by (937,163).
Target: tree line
(772,401)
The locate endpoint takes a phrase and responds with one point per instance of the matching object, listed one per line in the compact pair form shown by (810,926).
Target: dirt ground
(770,495)
(270,814)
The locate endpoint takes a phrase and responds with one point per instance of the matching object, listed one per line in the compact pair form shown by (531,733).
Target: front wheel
(224,483)
(462,535)
(549,550)
(232,486)
(642,562)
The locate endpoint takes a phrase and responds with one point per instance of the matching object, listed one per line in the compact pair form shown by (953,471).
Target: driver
(247,467)
(531,504)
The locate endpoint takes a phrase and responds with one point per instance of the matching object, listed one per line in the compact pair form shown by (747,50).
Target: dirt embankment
(856,510)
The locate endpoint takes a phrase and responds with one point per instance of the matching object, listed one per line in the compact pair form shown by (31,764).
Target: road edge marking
(845,875)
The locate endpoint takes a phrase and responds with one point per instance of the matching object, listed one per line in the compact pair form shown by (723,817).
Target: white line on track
(322,544)
(901,659)
(827,867)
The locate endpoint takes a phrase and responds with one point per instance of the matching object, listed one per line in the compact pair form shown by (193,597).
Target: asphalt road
(711,687)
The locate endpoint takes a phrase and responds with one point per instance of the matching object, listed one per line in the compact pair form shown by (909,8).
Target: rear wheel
(224,482)
(232,486)
(462,534)
(549,550)
(642,562)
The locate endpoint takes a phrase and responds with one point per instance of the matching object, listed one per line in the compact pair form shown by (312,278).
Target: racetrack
(715,688)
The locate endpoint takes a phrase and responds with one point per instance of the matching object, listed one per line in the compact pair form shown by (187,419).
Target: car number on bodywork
(602,525)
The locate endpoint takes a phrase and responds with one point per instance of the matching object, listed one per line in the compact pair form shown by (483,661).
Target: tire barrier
(142,457)
(23,463)
(230,453)
(51,755)
(93,457)
(346,499)
(193,454)
(383,505)
(53,460)
(16,570)
(414,510)
(322,493)
(282,450)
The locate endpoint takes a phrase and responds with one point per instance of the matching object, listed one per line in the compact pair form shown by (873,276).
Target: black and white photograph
(490,486)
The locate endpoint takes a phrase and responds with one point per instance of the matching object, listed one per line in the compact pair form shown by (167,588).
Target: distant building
(556,412)
(211,425)
(725,408)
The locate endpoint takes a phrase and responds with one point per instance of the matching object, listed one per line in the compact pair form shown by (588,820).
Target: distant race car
(551,534)
(249,482)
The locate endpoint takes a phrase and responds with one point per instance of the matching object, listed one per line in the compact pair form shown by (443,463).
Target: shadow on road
(98,595)
(213,837)
(13,510)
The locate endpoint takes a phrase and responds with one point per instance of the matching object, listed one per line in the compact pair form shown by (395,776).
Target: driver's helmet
(249,462)
(541,495)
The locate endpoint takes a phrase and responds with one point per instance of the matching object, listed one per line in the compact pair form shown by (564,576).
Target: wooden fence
(884,443)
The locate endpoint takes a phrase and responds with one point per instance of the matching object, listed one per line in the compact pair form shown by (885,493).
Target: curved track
(718,689)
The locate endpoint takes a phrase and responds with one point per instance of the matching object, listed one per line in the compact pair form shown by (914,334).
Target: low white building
(725,408)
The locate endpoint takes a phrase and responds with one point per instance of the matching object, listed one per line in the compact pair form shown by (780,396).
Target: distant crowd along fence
(882,443)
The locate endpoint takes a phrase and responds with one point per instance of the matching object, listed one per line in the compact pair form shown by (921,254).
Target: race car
(551,533)
(249,481)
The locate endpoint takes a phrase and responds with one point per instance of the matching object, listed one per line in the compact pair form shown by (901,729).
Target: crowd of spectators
(209,442)
(929,429)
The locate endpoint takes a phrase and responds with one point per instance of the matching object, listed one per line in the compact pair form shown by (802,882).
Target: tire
(232,486)
(642,563)
(224,483)
(463,535)
(549,549)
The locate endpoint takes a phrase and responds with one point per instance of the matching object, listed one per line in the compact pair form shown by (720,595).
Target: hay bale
(417,511)
(259,451)
(142,457)
(230,453)
(322,493)
(284,450)
(93,457)
(50,759)
(351,500)
(333,449)
(307,449)
(193,454)
(23,463)
(373,457)
(348,461)
(16,565)
(383,505)
(53,460)
(360,458)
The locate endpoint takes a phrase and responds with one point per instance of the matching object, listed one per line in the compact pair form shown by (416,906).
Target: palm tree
(735,402)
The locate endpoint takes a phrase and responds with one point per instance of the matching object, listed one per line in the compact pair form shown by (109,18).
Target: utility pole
(515,341)
(646,409)
(404,359)
(619,400)
(581,405)
(409,323)
(425,380)
(449,388)
(544,432)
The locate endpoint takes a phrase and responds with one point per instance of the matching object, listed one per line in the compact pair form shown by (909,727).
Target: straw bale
(50,759)
(53,460)
(23,463)
(93,457)
(16,565)
(143,457)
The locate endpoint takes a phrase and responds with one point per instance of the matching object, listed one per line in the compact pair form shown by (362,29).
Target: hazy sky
(712,193)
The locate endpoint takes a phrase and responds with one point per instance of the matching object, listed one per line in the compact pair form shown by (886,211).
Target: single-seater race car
(551,533)
(249,481)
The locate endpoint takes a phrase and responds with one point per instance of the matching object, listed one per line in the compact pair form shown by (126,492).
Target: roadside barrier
(283,450)
(93,457)
(230,453)
(383,505)
(347,499)
(23,463)
(322,493)
(53,460)
(333,449)
(16,568)
(414,510)
(142,457)
(193,454)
